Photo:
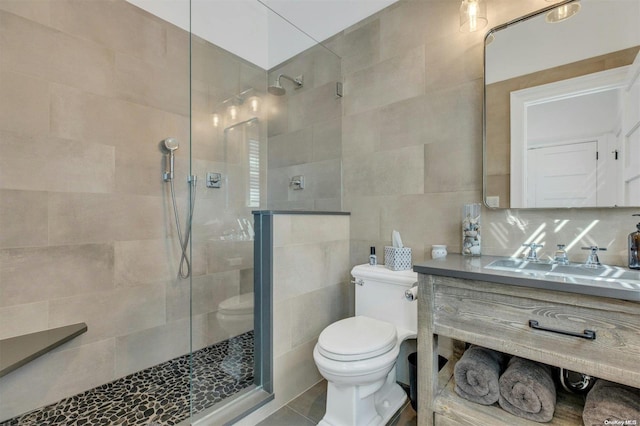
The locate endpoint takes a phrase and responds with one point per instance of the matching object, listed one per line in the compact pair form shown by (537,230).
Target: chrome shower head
(170,144)
(277,89)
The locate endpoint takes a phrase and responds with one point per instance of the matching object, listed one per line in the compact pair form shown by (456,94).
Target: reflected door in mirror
(531,53)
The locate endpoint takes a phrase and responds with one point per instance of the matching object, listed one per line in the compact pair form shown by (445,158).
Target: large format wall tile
(327,140)
(51,164)
(359,47)
(393,80)
(309,229)
(77,218)
(291,148)
(44,273)
(314,106)
(111,24)
(37,11)
(23,218)
(137,351)
(145,261)
(82,116)
(38,50)
(25,103)
(113,313)
(43,380)
(322,181)
(17,320)
(398,171)
(147,84)
(414,23)
(311,321)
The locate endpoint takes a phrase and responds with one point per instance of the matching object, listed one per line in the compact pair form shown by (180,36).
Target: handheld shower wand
(169,145)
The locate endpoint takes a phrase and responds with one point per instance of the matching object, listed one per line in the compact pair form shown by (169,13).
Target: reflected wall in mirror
(562,108)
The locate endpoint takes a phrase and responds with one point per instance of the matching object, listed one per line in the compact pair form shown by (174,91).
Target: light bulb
(254,104)
(233,112)
(473,16)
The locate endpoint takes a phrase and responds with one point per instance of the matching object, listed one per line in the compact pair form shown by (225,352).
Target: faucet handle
(560,256)
(532,256)
(594,248)
(593,261)
(533,245)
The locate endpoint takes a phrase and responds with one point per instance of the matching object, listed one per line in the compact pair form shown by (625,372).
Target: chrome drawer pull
(587,334)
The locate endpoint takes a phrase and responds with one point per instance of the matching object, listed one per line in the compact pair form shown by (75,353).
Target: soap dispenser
(634,247)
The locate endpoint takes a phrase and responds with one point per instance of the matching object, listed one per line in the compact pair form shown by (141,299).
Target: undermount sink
(520,265)
(576,270)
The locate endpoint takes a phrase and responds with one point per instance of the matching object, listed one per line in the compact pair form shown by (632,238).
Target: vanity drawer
(498,316)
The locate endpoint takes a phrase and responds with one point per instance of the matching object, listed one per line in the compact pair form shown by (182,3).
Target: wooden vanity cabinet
(498,316)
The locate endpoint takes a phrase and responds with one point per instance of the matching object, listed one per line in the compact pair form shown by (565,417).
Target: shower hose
(184,270)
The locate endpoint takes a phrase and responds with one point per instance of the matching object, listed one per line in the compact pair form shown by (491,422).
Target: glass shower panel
(228,151)
(244,149)
(304,123)
(89,90)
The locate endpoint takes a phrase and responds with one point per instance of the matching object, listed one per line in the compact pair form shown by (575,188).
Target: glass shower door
(227,154)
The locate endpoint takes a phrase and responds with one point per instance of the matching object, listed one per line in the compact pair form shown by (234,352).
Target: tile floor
(159,395)
(308,409)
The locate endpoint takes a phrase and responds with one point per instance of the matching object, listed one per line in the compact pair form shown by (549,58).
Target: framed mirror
(562,107)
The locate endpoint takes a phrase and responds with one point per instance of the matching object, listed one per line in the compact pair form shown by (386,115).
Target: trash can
(413,380)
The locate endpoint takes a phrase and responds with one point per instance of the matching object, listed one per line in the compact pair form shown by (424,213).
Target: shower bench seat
(18,351)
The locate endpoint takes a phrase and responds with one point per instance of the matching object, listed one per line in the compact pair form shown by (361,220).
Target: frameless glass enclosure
(118,119)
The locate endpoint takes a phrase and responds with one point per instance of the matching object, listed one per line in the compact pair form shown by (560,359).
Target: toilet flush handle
(412,293)
(358,281)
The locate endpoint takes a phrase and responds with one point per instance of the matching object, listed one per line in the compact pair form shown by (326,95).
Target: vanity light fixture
(562,13)
(245,103)
(473,15)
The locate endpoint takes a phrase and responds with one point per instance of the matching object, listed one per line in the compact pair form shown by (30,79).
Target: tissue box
(397,259)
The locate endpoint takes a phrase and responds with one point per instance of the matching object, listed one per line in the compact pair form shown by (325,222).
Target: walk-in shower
(122,236)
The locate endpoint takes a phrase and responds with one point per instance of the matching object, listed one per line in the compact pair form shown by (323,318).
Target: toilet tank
(381,295)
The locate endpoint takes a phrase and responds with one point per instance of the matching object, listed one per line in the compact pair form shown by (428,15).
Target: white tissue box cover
(397,259)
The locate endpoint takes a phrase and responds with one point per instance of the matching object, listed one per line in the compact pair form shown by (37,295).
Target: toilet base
(373,410)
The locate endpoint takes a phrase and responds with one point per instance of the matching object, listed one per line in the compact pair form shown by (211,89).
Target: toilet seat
(241,304)
(357,338)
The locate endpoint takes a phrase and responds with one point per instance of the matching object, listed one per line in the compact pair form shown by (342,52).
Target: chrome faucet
(532,256)
(592,260)
(560,256)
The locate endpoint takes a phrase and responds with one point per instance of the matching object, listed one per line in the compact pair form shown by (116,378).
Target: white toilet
(358,355)
(235,314)
(235,317)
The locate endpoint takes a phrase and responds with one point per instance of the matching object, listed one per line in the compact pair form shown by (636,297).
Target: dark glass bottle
(634,247)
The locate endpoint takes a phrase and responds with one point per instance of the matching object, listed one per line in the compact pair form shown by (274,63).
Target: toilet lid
(357,338)
(237,305)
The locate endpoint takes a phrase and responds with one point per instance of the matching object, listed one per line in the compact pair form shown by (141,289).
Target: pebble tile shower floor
(157,396)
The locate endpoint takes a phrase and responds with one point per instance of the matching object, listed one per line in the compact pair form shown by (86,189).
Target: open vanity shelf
(471,307)
(450,409)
